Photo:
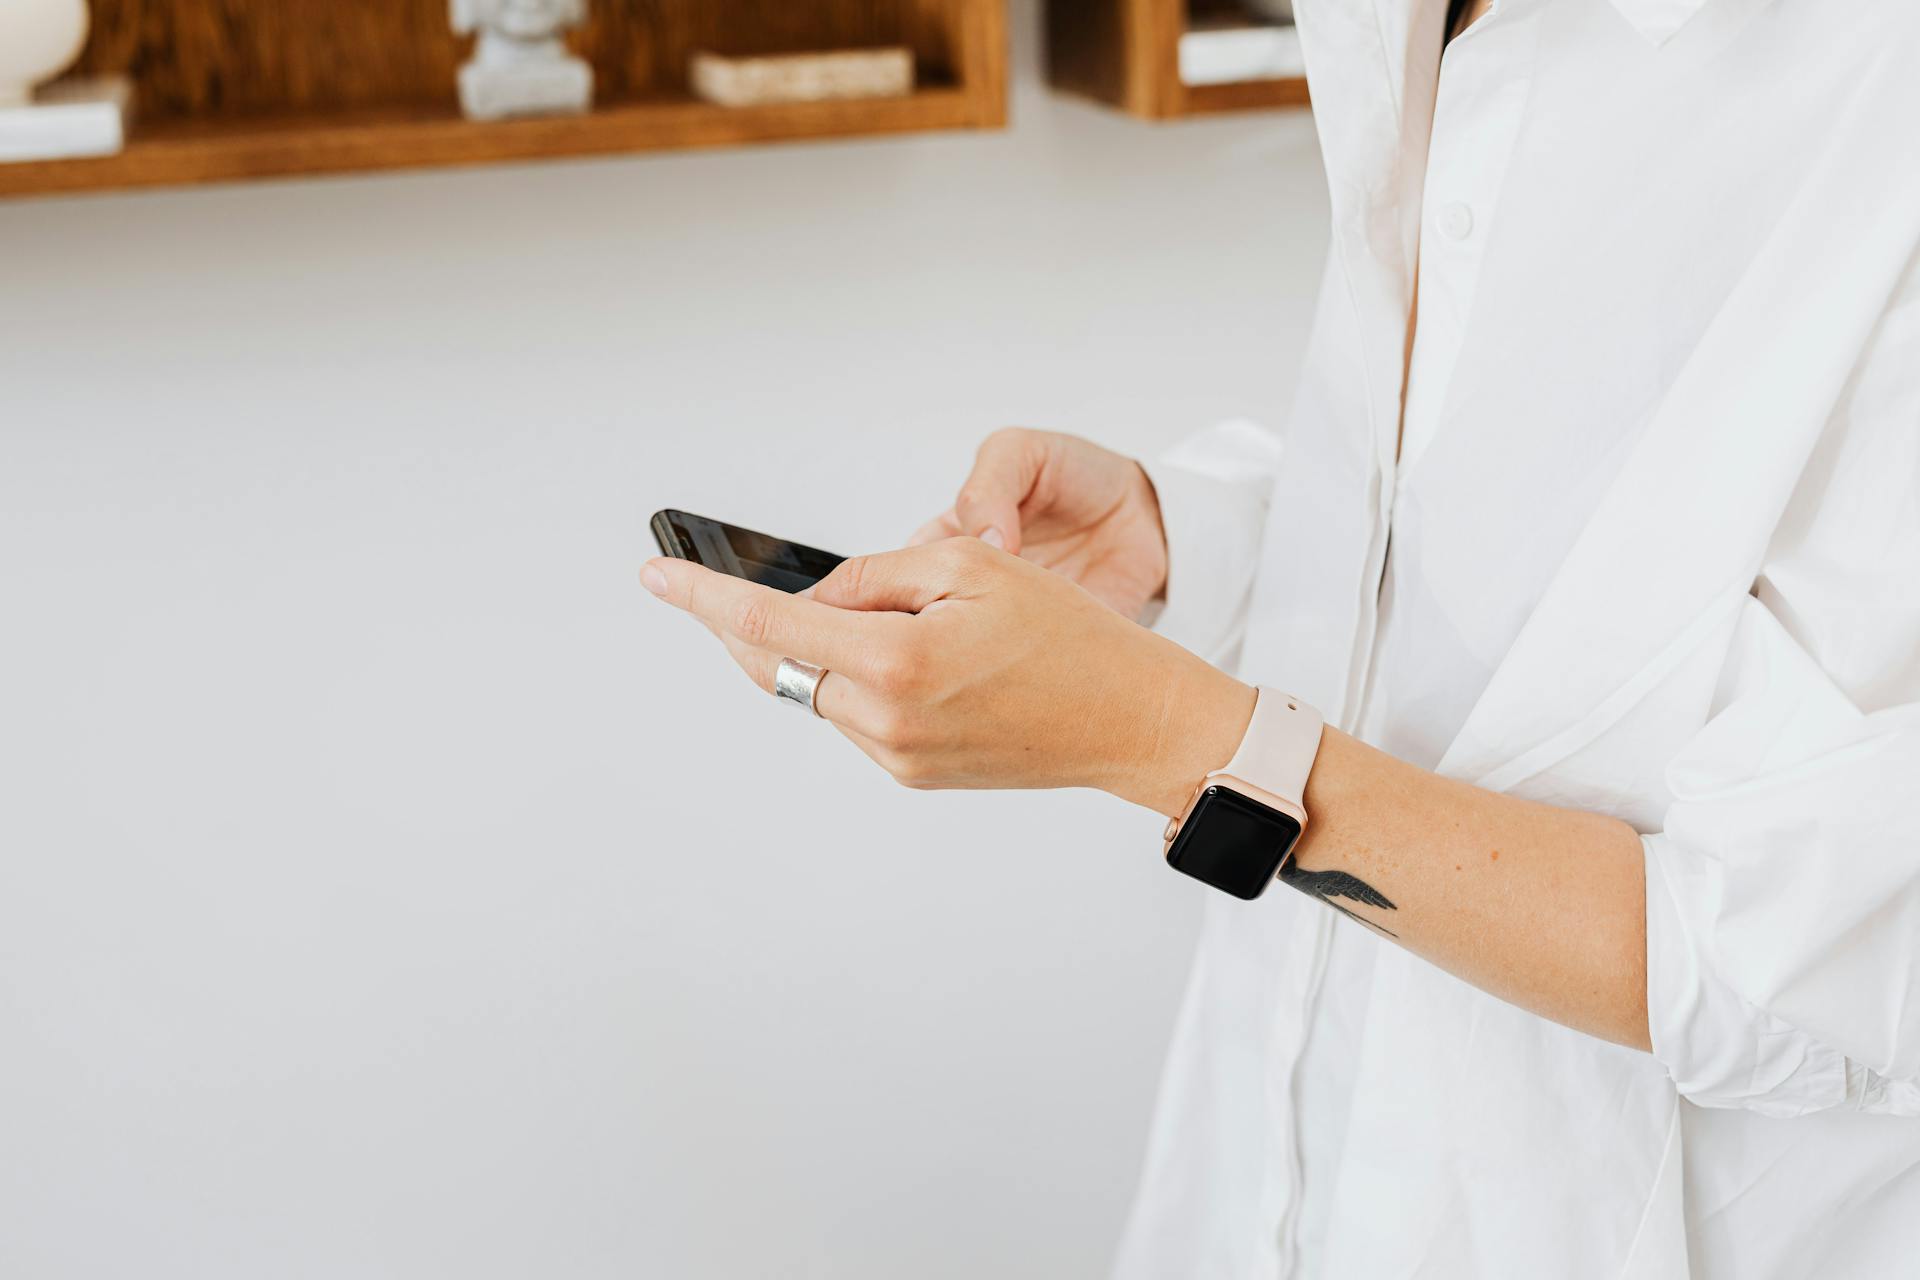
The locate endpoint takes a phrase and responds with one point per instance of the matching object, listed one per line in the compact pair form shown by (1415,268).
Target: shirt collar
(1658,20)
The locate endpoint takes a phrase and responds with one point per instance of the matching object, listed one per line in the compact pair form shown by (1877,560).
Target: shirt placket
(1486,76)
(1484,84)
(1479,106)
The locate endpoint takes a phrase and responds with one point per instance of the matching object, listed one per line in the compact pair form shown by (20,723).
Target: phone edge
(663,535)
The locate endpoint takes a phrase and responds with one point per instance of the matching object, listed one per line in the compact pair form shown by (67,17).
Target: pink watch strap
(1278,750)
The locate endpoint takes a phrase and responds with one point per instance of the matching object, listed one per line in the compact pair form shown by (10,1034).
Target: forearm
(1541,906)
(958,665)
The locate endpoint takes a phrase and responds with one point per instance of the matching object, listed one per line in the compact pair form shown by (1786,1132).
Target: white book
(802,77)
(1229,55)
(70,118)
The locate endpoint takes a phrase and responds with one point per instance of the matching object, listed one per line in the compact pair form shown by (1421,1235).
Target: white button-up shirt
(1639,534)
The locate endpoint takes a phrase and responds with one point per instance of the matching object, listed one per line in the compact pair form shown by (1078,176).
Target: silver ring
(798,683)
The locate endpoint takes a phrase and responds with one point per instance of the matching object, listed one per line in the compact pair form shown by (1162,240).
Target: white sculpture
(38,40)
(521,65)
(39,120)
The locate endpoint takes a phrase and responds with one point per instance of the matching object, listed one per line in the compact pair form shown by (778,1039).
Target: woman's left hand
(958,665)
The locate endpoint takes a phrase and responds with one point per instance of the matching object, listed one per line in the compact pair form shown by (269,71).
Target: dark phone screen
(1232,843)
(727,548)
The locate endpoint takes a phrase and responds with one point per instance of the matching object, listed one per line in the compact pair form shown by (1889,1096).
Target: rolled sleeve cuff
(1213,494)
(1720,1049)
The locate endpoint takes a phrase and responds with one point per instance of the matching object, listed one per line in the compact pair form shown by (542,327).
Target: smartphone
(727,548)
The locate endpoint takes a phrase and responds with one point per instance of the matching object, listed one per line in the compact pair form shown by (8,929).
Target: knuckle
(910,736)
(881,726)
(881,670)
(884,669)
(900,668)
(896,730)
(752,621)
(851,578)
(913,773)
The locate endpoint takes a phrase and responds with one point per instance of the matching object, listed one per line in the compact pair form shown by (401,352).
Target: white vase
(38,40)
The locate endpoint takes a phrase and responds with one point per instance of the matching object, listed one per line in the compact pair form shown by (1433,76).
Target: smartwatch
(1243,821)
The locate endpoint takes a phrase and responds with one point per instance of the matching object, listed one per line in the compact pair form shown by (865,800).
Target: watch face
(1233,843)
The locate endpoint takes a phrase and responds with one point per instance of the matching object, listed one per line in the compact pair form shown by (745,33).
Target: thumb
(1004,473)
(904,581)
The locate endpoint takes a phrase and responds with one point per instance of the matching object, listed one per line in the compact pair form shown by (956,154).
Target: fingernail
(653,580)
(994,538)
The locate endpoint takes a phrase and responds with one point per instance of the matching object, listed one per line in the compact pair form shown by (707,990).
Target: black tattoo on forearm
(1328,885)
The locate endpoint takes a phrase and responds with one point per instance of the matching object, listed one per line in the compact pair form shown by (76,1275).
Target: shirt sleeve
(1783,916)
(1213,491)
(1783,891)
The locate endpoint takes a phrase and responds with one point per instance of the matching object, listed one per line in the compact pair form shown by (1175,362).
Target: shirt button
(1456,221)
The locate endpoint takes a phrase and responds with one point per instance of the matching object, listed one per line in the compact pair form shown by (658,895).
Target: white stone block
(548,86)
(69,118)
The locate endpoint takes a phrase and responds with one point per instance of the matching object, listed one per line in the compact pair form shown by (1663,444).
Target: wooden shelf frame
(195,126)
(1126,53)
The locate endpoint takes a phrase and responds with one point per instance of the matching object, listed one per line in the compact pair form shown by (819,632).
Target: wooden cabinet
(234,89)
(1127,53)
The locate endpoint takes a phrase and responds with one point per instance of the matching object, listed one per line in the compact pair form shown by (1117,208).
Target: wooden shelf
(1126,53)
(1247,95)
(242,89)
(192,151)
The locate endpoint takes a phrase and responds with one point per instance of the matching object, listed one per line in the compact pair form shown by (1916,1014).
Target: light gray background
(389,887)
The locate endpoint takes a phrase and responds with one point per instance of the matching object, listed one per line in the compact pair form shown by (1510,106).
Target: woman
(1595,539)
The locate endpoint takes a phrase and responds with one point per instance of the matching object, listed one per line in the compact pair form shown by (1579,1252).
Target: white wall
(388,887)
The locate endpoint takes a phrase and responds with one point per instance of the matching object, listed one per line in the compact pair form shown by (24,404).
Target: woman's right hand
(1068,505)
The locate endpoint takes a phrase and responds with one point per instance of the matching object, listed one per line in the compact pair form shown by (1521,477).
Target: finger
(944,525)
(1004,474)
(853,713)
(870,747)
(836,698)
(905,581)
(768,619)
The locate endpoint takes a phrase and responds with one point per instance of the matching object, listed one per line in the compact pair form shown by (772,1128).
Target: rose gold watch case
(1259,795)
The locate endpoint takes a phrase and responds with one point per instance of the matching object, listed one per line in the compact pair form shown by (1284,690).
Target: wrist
(1194,728)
